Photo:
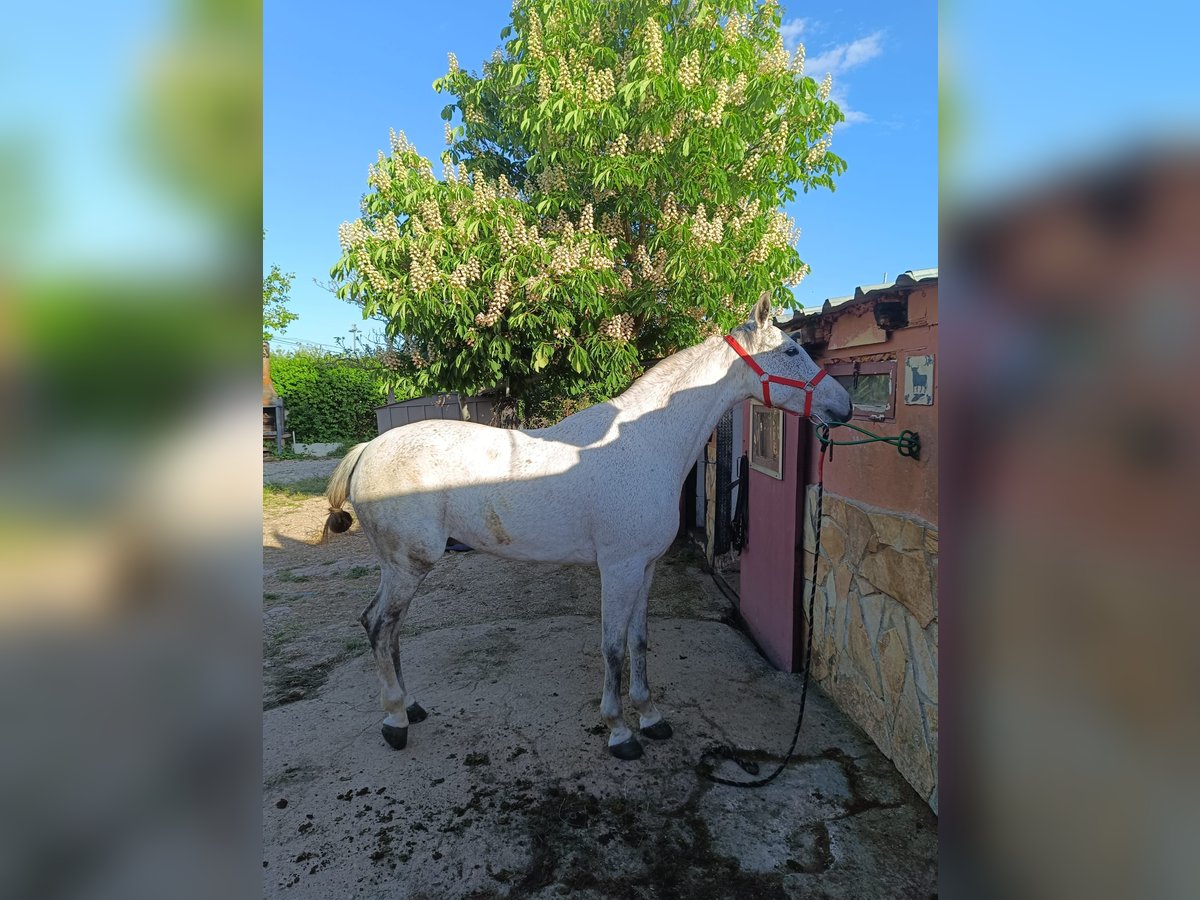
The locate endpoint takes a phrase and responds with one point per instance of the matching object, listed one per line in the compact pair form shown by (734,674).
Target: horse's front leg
(650,720)
(620,586)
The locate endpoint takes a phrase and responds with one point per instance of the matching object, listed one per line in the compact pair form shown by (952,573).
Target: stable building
(875,633)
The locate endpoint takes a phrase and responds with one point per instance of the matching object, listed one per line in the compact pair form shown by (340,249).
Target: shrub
(329,399)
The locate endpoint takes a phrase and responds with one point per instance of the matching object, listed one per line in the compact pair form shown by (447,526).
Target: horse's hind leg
(382,621)
(650,720)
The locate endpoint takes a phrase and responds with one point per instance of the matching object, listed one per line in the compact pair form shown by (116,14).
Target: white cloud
(844,57)
(792,30)
(853,116)
(839,59)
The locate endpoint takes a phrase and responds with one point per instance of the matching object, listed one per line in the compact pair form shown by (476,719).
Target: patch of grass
(354,645)
(299,684)
(359,572)
(288,453)
(295,491)
(275,643)
(290,576)
(279,497)
(273,499)
(267,595)
(293,684)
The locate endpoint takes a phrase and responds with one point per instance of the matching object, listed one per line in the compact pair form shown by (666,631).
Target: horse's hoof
(659,731)
(416,713)
(626,750)
(397,738)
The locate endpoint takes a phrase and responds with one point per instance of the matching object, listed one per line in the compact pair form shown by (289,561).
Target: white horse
(600,488)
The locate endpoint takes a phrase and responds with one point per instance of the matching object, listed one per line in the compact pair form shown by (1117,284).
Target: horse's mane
(650,391)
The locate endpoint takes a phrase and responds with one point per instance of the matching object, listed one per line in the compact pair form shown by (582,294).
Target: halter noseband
(767,380)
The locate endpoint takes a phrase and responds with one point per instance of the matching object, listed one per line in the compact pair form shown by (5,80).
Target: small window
(869,392)
(872,388)
(766,439)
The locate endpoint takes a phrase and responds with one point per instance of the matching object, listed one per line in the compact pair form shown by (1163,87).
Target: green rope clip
(907,443)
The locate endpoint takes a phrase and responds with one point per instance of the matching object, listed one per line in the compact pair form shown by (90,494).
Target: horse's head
(784,360)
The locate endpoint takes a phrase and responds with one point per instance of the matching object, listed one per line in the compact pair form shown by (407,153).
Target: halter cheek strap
(767,380)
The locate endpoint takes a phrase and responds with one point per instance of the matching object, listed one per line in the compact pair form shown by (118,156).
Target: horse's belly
(502,538)
(522,521)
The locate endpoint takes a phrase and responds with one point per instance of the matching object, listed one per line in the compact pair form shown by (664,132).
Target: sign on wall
(918,381)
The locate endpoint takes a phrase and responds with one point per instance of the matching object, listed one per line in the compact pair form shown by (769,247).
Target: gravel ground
(507,789)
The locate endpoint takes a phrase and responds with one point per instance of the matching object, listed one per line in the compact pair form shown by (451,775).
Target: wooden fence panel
(446,406)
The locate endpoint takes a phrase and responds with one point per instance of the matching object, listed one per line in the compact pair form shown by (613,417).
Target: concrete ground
(507,790)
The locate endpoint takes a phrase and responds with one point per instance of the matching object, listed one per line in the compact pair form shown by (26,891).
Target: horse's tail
(338,492)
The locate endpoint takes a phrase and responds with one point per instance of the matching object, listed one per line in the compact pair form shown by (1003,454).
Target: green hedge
(329,398)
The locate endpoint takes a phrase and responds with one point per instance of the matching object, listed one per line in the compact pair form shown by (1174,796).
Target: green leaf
(578,359)
(542,355)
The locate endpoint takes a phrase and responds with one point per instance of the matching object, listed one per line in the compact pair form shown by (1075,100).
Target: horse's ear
(762,310)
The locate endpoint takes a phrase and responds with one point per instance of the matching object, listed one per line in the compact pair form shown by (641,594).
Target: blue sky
(337,76)
(1036,84)
(87,199)
(1042,86)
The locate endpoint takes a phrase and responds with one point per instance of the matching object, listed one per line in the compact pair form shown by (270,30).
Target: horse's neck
(672,412)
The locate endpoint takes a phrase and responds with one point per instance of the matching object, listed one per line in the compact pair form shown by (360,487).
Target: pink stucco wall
(876,473)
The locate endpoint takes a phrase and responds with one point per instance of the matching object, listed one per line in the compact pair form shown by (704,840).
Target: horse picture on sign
(918,381)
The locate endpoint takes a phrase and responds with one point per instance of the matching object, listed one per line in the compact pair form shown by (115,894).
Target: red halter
(768,380)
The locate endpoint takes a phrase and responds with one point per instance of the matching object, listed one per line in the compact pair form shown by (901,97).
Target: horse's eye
(792,351)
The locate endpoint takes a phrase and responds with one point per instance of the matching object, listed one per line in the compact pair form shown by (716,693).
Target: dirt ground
(507,789)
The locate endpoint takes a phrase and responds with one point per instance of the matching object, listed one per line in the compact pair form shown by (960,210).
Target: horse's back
(499,490)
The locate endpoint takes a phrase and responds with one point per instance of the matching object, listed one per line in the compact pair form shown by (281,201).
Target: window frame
(874,367)
(758,460)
